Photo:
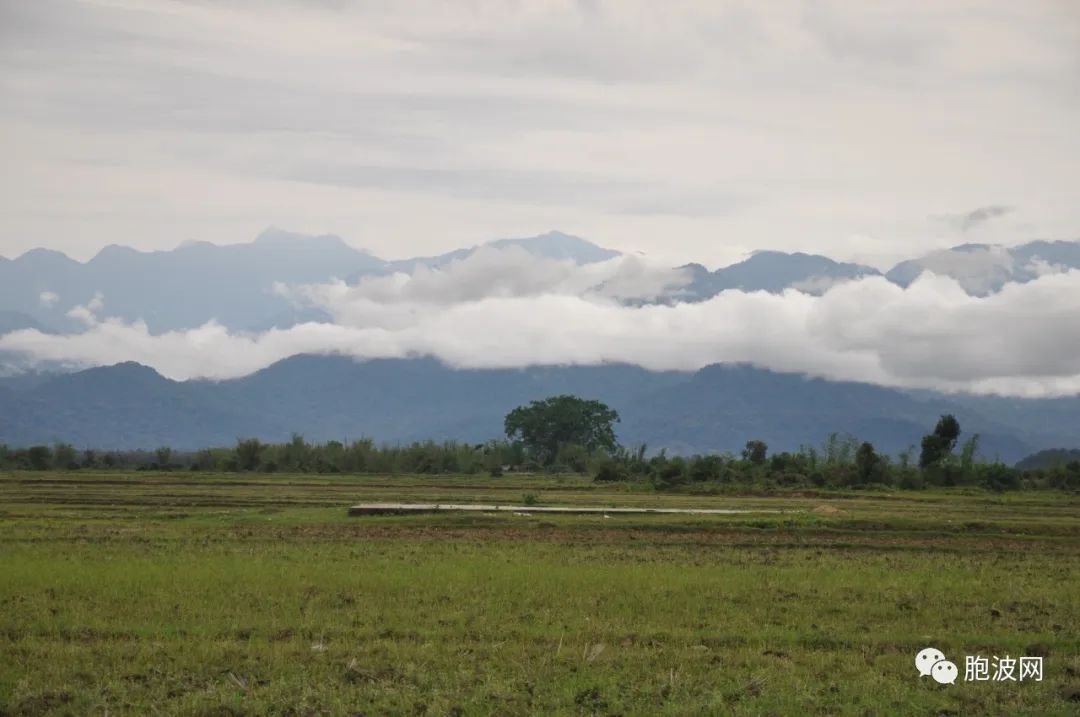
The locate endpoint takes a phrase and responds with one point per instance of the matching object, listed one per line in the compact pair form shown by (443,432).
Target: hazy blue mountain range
(181,288)
(199,281)
(773,271)
(16,320)
(1050,458)
(983,268)
(234,284)
(325,397)
(552,245)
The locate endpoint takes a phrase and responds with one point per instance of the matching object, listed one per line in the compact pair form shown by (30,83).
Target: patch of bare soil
(727,537)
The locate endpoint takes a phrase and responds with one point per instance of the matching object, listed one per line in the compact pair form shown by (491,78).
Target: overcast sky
(701,131)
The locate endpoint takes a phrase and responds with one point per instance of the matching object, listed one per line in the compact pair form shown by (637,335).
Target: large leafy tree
(938,446)
(755,452)
(544,426)
(868,464)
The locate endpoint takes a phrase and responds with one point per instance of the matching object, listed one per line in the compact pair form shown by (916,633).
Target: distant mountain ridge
(774,271)
(17,321)
(1051,458)
(985,268)
(717,408)
(551,245)
(234,284)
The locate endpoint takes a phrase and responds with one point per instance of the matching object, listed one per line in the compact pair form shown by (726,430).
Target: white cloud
(976,217)
(88,313)
(499,309)
(394,301)
(979,269)
(1040,267)
(47,299)
(818,284)
(693,131)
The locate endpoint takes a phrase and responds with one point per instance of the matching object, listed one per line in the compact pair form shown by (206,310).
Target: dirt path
(417,508)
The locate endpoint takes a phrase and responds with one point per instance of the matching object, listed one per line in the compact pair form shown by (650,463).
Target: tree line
(294,456)
(567,434)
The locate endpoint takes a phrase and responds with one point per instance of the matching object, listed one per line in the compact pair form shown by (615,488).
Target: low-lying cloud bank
(504,308)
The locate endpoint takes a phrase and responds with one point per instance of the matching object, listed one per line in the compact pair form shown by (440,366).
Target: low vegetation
(254,594)
(566,434)
(232,582)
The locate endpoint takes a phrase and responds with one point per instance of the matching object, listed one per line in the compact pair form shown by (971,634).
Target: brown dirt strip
(739,538)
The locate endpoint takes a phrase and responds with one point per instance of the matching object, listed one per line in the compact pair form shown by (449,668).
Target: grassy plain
(250,595)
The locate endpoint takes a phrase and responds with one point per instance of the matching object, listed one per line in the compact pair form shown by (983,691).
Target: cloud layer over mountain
(507,308)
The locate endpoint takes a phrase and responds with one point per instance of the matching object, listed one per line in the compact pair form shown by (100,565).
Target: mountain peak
(799,258)
(550,245)
(40,253)
(195,245)
(45,260)
(554,235)
(125,368)
(560,246)
(972,247)
(982,269)
(130,376)
(274,235)
(16,321)
(113,252)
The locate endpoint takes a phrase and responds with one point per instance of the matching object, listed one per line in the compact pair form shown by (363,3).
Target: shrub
(611,471)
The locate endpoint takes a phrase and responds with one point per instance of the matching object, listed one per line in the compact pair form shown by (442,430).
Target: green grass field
(250,595)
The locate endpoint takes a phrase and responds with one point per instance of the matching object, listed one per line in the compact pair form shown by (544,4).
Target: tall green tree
(248,453)
(296,454)
(937,446)
(755,452)
(544,426)
(868,464)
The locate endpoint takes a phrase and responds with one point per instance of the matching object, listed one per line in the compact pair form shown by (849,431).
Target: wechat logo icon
(931,661)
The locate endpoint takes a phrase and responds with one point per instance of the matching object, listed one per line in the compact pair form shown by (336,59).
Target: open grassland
(249,595)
